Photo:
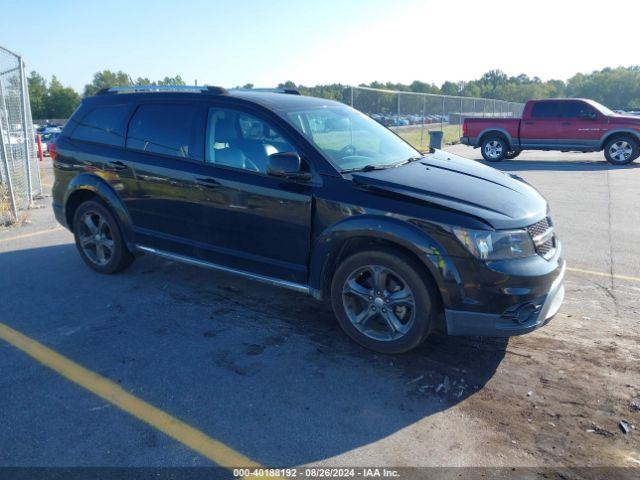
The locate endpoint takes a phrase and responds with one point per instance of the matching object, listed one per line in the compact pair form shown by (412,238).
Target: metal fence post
(442,117)
(5,158)
(352,96)
(424,112)
(23,98)
(460,119)
(398,112)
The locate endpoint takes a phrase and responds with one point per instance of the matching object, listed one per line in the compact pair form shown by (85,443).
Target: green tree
(106,79)
(60,101)
(177,80)
(449,88)
(37,86)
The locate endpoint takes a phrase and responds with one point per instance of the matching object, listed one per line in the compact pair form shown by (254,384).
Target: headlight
(496,245)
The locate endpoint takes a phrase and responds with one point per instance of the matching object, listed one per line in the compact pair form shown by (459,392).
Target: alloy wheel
(379,303)
(493,149)
(96,238)
(620,151)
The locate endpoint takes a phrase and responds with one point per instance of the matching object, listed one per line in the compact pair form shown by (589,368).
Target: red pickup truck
(557,124)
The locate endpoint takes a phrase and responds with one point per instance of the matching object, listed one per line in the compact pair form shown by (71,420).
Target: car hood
(449,181)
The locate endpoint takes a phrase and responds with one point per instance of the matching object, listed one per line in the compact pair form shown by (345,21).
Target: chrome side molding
(298,287)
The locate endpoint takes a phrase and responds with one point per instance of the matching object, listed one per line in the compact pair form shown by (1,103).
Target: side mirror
(286,165)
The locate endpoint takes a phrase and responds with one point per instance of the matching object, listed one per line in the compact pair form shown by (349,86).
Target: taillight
(53,151)
(464,129)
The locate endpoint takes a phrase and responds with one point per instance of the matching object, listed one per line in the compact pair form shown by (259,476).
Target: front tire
(98,238)
(383,301)
(494,149)
(621,150)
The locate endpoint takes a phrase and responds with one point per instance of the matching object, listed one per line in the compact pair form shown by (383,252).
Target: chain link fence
(19,169)
(412,115)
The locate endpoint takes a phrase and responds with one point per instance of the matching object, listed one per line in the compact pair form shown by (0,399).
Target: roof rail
(290,91)
(163,88)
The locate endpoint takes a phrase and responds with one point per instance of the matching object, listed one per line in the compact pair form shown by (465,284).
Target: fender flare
(431,254)
(106,193)
(497,130)
(624,131)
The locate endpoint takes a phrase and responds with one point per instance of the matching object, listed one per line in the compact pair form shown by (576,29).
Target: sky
(230,43)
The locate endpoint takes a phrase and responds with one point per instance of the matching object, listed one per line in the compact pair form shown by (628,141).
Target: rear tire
(621,150)
(383,301)
(494,148)
(98,238)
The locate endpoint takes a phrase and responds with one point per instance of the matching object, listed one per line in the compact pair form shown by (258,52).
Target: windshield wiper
(369,167)
(382,166)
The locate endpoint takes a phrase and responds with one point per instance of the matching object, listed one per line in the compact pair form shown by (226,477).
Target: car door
(162,146)
(580,124)
(250,220)
(541,129)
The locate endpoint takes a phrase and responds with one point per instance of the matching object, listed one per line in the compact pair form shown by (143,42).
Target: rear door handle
(117,165)
(208,182)
(529,123)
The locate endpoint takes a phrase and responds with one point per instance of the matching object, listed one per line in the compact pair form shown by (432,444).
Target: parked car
(311,195)
(46,139)
(557,124)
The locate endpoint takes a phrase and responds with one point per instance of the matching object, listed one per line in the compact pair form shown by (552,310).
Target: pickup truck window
(545,110)
(575,110)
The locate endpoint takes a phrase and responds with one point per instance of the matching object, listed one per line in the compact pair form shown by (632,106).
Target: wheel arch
(87,186)
(501,132)
(622,132)
(355,234)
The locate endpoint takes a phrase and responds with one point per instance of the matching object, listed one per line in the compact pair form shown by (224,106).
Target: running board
(298,287)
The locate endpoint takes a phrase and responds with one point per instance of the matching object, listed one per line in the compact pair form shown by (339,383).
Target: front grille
(543,237)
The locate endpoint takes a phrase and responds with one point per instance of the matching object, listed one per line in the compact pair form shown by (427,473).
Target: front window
(350,139)
(601,108)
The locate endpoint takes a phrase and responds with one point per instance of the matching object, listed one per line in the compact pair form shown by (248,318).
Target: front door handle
(208,182)
(117,165)
(529,123)
(565,123)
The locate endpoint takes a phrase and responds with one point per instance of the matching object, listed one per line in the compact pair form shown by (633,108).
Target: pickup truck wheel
(621,150)
(512,154)
(382,301)
(98,238)
(494,149)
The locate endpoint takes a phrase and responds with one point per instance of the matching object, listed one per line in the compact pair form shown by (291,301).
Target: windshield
(350,139)
(598,106)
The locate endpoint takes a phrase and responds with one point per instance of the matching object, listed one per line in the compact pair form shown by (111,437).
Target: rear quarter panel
(475,128)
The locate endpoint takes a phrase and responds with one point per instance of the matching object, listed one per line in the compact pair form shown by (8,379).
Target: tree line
(618,88)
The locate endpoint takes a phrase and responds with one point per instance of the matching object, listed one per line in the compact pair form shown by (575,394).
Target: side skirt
(298,287)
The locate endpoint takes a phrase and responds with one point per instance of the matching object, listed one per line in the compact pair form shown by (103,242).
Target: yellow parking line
(208,447)
(604,274)
(32,234)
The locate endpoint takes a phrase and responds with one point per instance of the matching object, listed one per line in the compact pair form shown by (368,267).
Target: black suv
(311,195)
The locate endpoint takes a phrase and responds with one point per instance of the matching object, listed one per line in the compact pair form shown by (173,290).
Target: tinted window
(544,110)
(103,125)
(240,140)
(575,110)
(164,129)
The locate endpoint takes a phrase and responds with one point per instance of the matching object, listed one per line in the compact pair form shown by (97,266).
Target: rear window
(545,110)
(164,129)
(105,124)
